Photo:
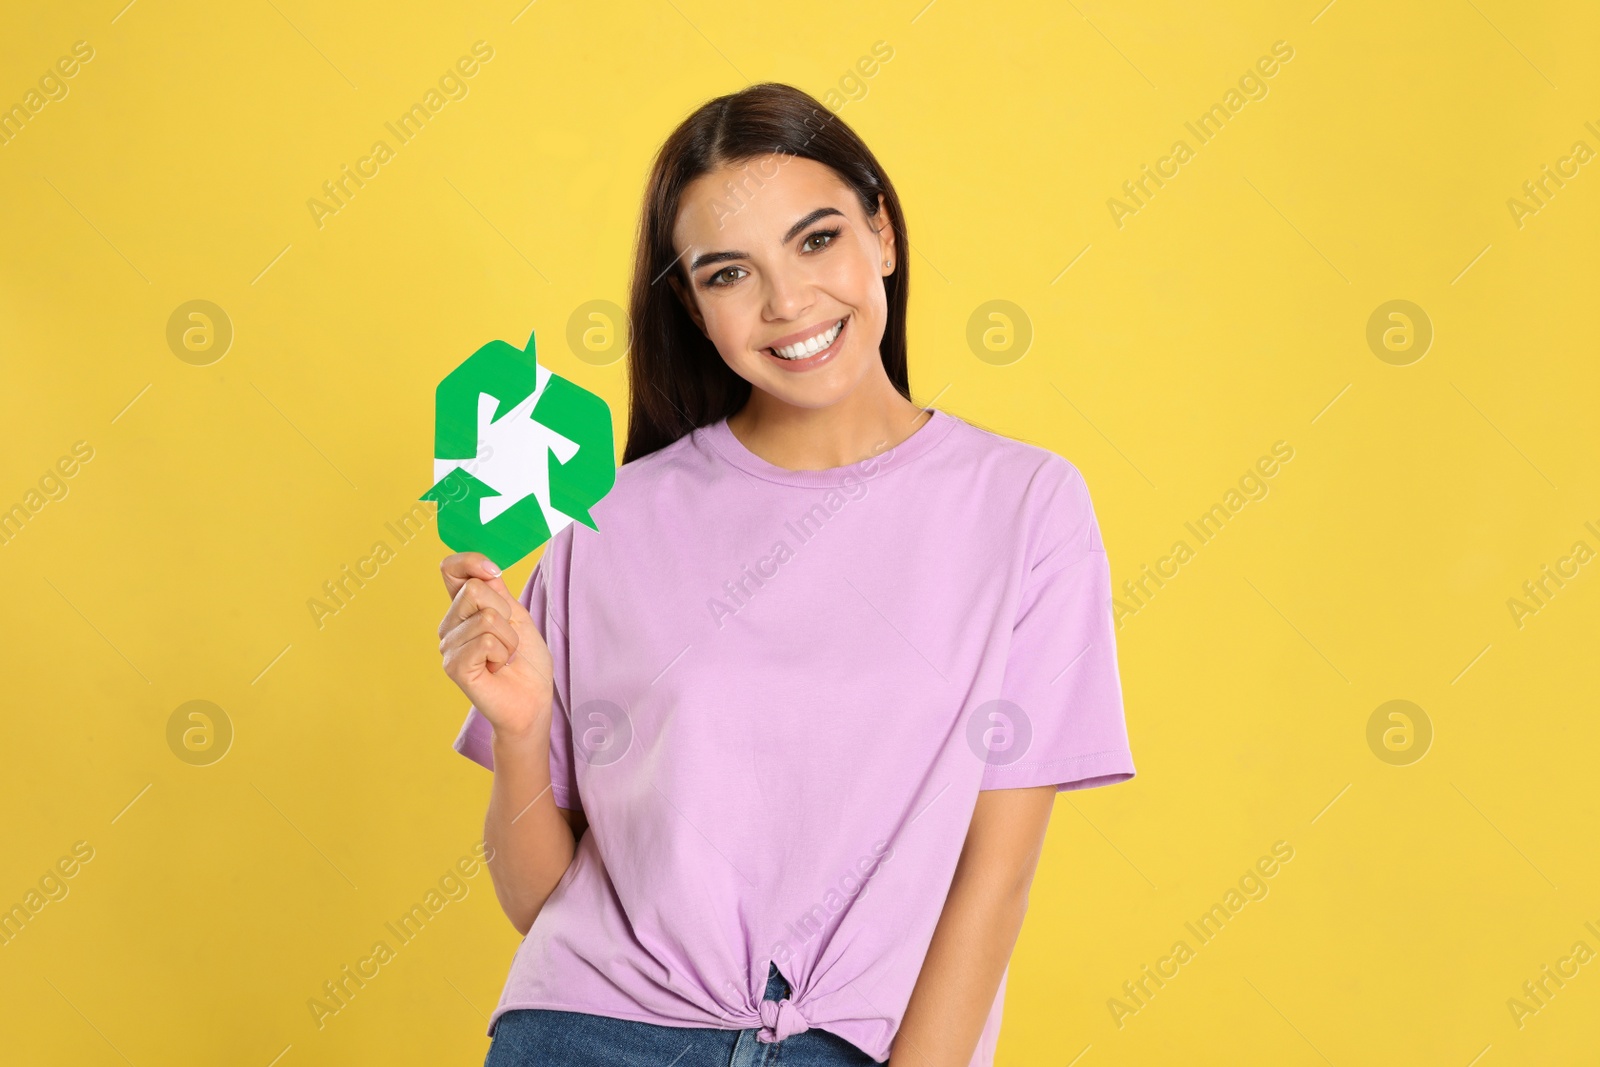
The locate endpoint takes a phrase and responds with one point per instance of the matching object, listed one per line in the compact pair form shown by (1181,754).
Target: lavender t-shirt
(777,696)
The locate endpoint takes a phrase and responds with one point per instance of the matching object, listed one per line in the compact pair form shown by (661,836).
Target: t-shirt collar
(922,439)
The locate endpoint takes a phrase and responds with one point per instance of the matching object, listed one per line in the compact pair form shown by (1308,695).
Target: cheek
(731,328)
(864,277)
(868,294)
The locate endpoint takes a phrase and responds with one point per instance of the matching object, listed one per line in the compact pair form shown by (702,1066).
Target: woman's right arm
(495,653)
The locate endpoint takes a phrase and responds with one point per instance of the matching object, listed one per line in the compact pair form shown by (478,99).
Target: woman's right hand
(492,649)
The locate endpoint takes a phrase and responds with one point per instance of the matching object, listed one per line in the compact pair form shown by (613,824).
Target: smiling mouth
(811,346)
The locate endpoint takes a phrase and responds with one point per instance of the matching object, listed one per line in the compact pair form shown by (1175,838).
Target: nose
(789,293)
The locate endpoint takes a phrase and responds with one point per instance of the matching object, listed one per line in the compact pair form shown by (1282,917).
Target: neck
(859,426)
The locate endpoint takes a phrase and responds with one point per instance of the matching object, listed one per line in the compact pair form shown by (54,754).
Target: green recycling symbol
(510,437)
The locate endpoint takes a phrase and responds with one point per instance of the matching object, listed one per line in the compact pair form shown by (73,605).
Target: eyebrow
(719,257)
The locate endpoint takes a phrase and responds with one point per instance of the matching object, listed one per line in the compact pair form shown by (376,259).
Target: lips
(807,343)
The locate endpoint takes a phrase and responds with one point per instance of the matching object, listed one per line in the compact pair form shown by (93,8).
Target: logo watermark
(999,732)
(999,332)
(199,332)
(1399,332)
(199,733)
(1399,732)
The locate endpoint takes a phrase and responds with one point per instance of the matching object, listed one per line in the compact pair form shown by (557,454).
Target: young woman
(775,746)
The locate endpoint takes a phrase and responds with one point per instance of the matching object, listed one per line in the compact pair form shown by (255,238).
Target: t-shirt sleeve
(542,597)
(1060,707)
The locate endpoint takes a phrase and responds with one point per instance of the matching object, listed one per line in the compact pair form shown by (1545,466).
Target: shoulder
(1016,467)
(1043,489)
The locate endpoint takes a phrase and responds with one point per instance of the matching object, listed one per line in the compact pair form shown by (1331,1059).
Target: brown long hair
(677,381)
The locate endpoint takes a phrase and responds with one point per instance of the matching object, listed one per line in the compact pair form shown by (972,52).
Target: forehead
(750,204)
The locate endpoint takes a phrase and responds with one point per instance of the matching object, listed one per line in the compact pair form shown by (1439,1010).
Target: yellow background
(1227,314)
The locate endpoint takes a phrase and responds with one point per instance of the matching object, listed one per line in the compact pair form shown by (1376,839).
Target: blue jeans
(542,1037)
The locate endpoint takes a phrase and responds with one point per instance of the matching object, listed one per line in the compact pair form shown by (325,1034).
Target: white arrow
(511,458)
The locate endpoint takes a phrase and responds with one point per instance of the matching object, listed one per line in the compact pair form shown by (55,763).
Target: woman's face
(779,252)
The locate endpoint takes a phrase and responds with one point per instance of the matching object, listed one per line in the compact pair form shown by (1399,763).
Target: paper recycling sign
(519,453)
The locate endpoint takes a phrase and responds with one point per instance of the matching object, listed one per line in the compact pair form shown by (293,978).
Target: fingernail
(494,572)
(510,658)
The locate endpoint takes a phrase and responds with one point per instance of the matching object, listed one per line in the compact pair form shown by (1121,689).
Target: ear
(887,252)
(687,301)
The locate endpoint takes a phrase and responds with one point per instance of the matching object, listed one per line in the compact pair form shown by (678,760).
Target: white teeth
(811,347)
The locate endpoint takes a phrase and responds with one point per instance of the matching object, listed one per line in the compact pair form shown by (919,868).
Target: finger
(486,621)
(485,650)
(464,566)
(476,594)
(498,583)
(495,668)
(459,567)
(455,569)
(495,652)
(524,650)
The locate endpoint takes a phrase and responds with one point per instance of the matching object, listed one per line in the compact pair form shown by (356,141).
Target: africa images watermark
(1252,486)
(1538,592)
(52,87)
(853,83)
(339,991)
(1252,887)
(52,887)
(755,173)
(852,885)
(742,588)
(452,85)
(52,487)
(1538,192)
(1537,992)
(341,589)
(815,920)
(1252,86)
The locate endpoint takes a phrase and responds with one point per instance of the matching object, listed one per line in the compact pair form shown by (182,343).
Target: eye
(713,283)
(717,281)
(829,234)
